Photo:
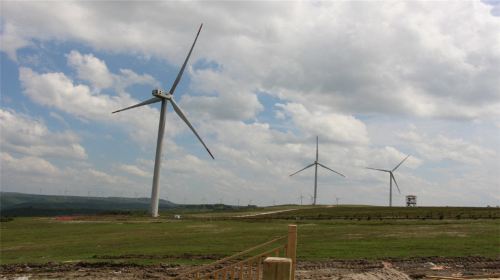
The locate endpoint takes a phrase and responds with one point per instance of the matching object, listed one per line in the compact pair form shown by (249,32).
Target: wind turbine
(391,178)
(165,97)
(315,164)
(301,197)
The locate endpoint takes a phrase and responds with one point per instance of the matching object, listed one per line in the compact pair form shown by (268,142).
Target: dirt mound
(334,274)
(418,267)
(349,270)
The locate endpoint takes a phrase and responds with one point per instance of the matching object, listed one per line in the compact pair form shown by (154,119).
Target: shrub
(6,219)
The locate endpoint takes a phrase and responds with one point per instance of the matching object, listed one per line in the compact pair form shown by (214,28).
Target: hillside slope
(19,204)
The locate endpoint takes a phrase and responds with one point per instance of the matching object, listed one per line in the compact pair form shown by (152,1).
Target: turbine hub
(161,94)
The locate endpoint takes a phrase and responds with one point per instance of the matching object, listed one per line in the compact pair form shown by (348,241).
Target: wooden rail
(236,267)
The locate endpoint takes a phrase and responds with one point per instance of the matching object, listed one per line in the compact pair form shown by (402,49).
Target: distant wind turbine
(311,197)
(315,164)
(391,178)
(301,197)
(165,97)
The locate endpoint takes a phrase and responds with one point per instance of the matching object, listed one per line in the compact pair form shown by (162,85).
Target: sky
(375,81)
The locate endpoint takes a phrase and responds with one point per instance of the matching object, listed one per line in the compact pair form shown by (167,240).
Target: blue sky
(374,82)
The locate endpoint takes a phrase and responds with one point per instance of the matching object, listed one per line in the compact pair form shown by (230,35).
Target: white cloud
(224,98)
(357,57)
(334,66)
(27,165)
(440,147)
(101,176)
(33,174)
(389,157)
(25,135)
(134,170)
(328,125)
(91,69)
(56,90)
(11,40)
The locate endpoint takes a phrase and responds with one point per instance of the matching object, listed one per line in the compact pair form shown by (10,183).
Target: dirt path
(265,213)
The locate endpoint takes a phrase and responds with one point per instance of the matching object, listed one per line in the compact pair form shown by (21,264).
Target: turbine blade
(377,169)
(178,78)
(183,117)
(149,101)
(317,153)
(331,169)
(400,163)
(394,179)
(302,169)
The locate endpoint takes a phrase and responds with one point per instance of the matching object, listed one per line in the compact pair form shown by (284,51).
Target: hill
(20,204)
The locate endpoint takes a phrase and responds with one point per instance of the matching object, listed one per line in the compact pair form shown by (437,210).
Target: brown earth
(389,269)
(395,269)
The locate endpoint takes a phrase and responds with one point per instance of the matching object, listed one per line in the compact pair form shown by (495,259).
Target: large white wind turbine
(315,164)
(164,97)
(391,178)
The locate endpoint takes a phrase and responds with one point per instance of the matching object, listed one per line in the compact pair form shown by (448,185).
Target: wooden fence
(248,264)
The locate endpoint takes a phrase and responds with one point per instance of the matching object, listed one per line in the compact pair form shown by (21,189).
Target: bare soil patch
(389,269)
(396,269)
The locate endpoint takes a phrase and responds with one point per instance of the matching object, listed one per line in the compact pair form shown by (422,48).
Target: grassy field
(376,212)
(152,241)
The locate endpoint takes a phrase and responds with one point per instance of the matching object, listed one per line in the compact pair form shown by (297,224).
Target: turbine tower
(165,97)
(391,178)
(315,164)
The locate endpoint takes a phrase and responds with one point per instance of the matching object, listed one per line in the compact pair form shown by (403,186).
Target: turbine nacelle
(161,94)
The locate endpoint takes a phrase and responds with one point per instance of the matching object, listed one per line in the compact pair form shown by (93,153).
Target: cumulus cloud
(31,174)
(91,69)
(221,97)
(95,71)
(11,40)
(57,90)
(331,66)
(389,157)
(31,151)
(440,147)
(24,135)
(328,125)
(134,170)
(28,165)
(404,58)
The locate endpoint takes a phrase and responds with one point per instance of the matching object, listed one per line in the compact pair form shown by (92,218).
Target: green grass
(44,239)
(376,212)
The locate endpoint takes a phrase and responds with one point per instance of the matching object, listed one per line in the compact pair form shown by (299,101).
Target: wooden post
(277,269)
(240,275)
(258,267)
(233,273)
(291,249)
(254,261)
